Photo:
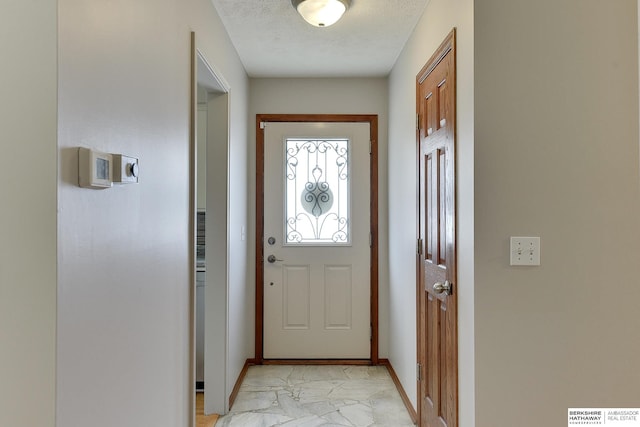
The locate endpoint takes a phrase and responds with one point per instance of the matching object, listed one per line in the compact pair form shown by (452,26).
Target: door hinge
(370,333)
(370,147)
(417,121)
(370,239)
(263,125)
(419,372)
(419,246)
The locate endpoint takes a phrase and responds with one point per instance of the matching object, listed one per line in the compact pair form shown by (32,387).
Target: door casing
(372,119)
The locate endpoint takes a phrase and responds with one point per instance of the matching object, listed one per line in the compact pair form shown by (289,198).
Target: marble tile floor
(317,396)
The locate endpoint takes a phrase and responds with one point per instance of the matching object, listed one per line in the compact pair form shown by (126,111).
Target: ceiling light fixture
(321,13)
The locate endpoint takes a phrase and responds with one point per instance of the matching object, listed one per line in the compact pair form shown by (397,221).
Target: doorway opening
(301,272)
(209,236)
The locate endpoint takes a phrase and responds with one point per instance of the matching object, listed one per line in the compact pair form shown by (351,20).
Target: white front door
(316,241)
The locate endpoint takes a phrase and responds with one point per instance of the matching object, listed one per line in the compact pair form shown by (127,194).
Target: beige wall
(332,96)
(123,308)
(439,18)
(28,212)
(556,108)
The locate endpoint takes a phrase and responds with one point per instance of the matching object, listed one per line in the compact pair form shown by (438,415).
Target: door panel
(296,295)
(338,296)
(437,318)
(316,259)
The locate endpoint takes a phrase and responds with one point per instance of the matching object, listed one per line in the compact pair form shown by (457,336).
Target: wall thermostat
(101,170)
(95,169)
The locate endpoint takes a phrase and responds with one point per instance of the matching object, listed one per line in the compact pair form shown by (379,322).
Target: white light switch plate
(525,251)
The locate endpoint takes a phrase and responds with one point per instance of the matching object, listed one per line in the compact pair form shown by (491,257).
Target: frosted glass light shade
(321,13)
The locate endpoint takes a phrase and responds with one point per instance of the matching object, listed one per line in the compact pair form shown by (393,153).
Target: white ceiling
(274,41)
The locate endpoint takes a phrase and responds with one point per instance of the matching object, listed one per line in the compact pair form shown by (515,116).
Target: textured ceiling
(274,41)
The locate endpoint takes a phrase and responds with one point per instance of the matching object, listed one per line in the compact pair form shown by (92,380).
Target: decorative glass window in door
(317,191)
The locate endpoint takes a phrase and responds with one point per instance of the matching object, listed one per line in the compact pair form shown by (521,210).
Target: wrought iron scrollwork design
(319,217)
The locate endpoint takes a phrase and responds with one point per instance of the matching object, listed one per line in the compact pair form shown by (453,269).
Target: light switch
(525,250)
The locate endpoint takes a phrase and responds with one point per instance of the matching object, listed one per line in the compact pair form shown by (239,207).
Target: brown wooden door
(437,317)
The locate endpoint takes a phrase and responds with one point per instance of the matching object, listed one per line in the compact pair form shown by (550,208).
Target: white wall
(201,159)
(331,96)
(556,106)
(123,287)
(217,381)
(439,18)
(28,84)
